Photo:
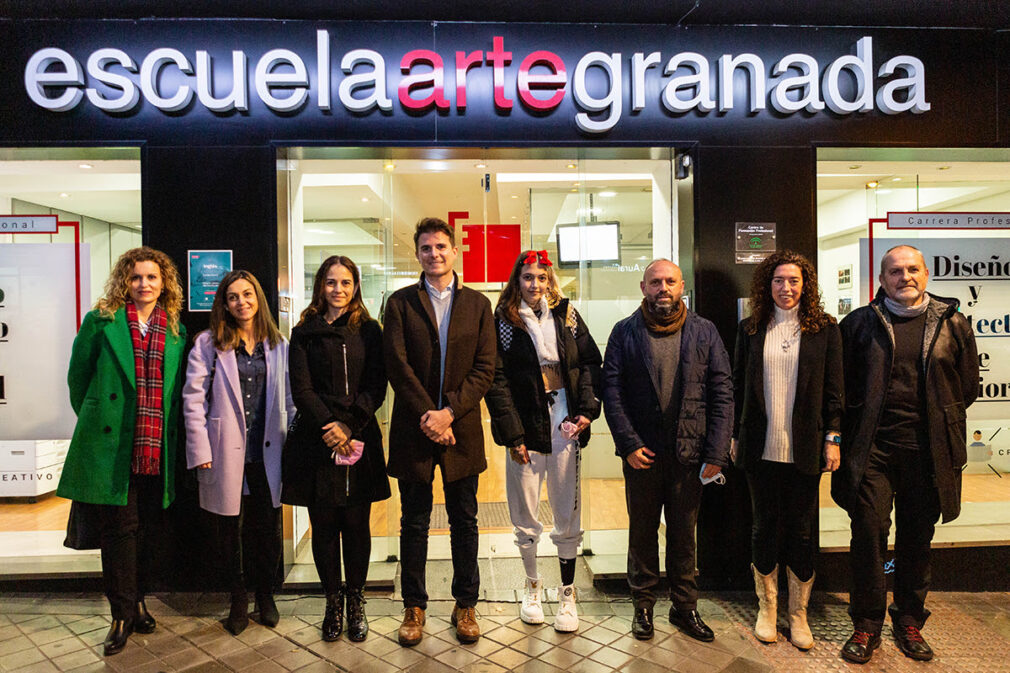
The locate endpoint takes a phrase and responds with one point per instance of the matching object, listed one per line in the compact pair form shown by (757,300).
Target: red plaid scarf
(148,358)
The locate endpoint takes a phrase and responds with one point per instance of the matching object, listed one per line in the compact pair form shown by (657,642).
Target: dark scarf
(665,325)
(148,360)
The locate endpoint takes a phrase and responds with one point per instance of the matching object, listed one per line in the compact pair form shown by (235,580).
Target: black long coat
(517,401)
(951,362)
(818,405)
(337,374)
(413,358)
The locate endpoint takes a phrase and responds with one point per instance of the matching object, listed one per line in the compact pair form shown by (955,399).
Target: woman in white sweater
(788,379)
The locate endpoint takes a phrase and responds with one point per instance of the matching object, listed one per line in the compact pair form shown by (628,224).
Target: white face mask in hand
(719,478)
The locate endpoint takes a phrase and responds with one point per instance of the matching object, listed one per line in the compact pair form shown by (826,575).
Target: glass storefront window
(94,196)
(856,190)
(364,203)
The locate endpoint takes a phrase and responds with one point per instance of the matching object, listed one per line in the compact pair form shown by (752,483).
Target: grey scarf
(903,311)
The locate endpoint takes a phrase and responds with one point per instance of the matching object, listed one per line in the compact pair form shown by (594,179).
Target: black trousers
(331,526)
(415,518)
(670,487)
(902,477)
(784,506)
(131,544)
(251,542)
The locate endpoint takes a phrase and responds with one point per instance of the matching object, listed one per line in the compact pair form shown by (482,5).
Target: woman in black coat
(541,403)
(333,462)
(788,379)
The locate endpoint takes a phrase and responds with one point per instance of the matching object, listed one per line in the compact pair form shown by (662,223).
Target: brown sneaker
(465,621)
(412,627)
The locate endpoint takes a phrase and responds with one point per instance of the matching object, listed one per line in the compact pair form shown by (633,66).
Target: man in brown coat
(439,344)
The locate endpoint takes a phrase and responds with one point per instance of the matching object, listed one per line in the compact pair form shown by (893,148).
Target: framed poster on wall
(206,269)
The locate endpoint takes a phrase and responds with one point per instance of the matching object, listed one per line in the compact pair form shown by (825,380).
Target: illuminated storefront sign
(600,82)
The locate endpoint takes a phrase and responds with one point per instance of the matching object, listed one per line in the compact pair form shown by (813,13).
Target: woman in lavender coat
(237,403)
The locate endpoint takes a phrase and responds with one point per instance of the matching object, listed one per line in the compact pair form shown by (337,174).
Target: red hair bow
(537,257)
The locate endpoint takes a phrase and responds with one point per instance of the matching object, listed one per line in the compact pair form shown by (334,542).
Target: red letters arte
(555,80)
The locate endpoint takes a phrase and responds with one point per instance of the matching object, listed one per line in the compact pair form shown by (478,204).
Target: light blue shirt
(441,302)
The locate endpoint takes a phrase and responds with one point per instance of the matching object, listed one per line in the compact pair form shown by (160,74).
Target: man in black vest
(911,370)
(668,397)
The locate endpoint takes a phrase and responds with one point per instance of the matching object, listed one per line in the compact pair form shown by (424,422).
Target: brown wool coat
(413,358)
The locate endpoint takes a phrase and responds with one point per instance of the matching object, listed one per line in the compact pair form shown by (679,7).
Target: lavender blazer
(215,423)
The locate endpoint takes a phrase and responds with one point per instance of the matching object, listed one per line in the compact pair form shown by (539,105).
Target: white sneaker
(567,619)
(532,611)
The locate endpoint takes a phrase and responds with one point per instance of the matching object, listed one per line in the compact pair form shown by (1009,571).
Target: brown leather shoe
(465,621)
(412,627)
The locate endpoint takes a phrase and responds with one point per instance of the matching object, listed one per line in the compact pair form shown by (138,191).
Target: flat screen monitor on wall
(593,242)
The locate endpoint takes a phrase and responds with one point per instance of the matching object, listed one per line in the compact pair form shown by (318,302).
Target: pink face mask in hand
(357,447)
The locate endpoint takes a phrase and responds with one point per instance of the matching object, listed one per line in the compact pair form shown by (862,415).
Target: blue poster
(206,269)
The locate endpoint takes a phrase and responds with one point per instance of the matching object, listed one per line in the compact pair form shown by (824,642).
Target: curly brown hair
(812,315)
(117,287)
(356,308)
(224,327)
(508,300)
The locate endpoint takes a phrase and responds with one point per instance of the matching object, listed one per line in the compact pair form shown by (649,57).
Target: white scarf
(541,330)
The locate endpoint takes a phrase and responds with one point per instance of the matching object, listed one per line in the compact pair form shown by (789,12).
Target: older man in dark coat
(911,370)
(439,344)
(668,398)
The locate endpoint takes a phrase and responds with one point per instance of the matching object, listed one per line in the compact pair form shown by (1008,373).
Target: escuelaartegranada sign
(298,78)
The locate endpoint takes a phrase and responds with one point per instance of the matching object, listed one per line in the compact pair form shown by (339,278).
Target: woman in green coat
(125,386)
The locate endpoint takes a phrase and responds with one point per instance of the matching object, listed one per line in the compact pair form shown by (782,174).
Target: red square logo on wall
(489,250)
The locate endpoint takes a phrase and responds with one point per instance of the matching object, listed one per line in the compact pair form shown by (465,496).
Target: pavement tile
(275,647)
(432,646)
(39,624)
(186,659)
(60,647)
(49,635)
(601,634)
(240,659)
(642,666)
(295,659)
(375,666)
(97,667)
(44,666)
(209,667)
(610,657)
(504,635)
(88,624)
(12,662)
(9,631)
(378,645)
(536,666)
(256,634)
(457,657)
(265,667)
(580,645)
(13,645)
(384,625)
(431,666)
(321,667)
(133,656)
(560,657)
(92,638)
(403,658)
(589,666)
(508,658)
(632,646)
(75,659)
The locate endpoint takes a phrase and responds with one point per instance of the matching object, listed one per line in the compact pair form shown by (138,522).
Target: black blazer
(818,405)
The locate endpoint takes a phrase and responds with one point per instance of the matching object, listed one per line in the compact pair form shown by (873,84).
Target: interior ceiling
(836,178)
(990,14)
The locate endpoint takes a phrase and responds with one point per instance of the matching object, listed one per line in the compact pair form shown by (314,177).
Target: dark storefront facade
(214,106)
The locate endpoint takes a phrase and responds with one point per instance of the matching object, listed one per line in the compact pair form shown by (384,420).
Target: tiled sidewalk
(63,632)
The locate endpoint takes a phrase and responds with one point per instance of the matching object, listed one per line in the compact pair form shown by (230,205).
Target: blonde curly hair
(117,287)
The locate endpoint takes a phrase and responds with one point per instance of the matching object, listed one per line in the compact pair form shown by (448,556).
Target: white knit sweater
(781,366)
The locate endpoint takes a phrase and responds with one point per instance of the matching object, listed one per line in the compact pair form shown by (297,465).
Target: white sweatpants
(561,470)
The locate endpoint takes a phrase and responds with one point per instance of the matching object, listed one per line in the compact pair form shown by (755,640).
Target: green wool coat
(103,393)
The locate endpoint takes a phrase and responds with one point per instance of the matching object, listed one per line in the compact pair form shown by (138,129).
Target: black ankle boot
(143,622)
(238,617)
(357,625)
(267,609)
(333,621)
(118,634)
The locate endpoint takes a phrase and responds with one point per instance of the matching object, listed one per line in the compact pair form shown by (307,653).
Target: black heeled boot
(267,609)
(357,625)
(117,636)
(238,616)
(143,622)
(333,621)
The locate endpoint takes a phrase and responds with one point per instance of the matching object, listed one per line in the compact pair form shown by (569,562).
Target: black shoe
(115,639)
(357,624)
(859,647)
(143,622)
(641,626)
(333,620)
(689,621)
(911,642)
(267,609)
(238,616)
